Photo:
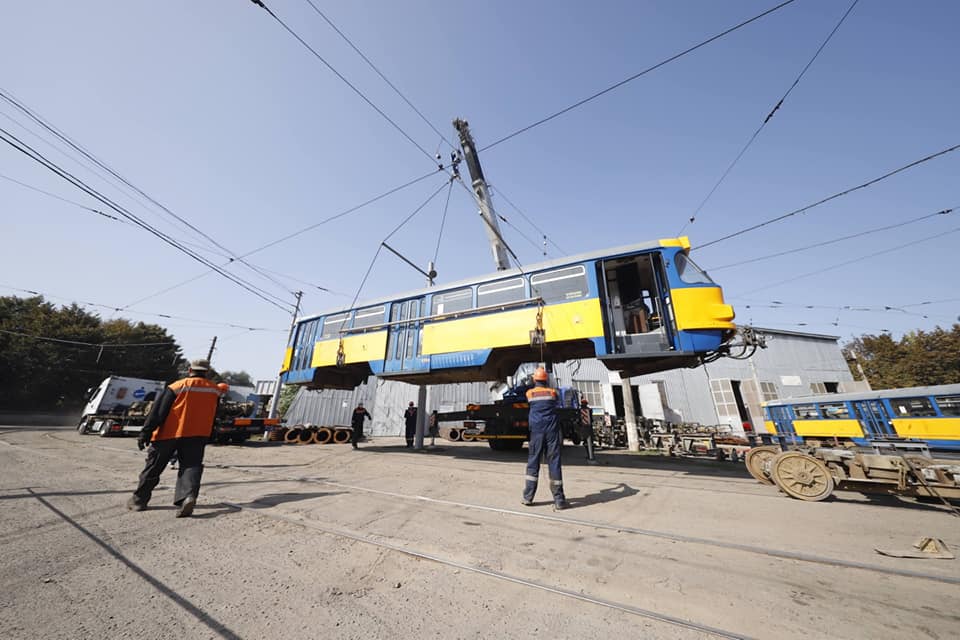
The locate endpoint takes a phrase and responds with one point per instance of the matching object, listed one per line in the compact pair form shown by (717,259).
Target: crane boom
(482,191)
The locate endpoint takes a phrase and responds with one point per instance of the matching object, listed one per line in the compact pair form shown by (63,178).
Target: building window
(724,400)
(912,408)
(368,317)
(501,292)
(452,301)
(560,285)
(769,391)
(835,410)
(949,405)
(589,389)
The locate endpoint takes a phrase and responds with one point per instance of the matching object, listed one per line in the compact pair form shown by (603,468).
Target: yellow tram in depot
(900,441)
(638,309)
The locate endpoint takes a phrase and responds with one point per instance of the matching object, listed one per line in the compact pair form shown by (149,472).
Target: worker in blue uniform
(545,440)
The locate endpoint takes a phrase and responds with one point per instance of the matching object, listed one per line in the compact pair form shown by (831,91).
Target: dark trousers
(190,454)
(411,433)
(544,444)
(357,434)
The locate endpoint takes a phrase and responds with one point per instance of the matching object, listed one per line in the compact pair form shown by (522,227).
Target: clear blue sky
(215,111)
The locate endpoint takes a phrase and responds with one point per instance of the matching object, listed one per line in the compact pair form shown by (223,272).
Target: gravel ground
(326,542)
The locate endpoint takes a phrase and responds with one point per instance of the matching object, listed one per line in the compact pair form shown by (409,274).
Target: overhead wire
(543,233)
(343,78)
(62,199)
(834,240)
(290,236)
(390,235)
(770,115)
(642,73)
(167,316)
(38,119)
(840,194)
(443,220)
(87,344)
(853,261)
(379,73)
(39,158)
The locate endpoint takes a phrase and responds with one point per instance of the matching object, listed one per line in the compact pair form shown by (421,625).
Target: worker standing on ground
(179,423)
(410,418)
(544,440)
(359,415)
(586,428)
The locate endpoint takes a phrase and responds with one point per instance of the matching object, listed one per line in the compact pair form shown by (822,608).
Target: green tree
(919,358)
(287,394)
(238,378)
(42,367)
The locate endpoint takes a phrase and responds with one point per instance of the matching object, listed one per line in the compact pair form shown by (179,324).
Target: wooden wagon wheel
(758,462)
(802,476)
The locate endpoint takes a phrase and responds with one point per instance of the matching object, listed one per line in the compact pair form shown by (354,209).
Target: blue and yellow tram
(915,415)
(639,309)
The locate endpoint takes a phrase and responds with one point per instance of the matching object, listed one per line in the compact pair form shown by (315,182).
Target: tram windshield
(689,272)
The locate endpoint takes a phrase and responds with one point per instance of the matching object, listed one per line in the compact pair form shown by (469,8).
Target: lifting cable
(443,220)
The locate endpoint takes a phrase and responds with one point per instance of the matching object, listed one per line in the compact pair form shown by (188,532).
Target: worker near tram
(545,440)
(359,415)
(410,420)
(179,423)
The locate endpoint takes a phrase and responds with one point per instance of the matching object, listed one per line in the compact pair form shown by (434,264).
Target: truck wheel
(105,429)
(82,427)
(506,445)
(238,438)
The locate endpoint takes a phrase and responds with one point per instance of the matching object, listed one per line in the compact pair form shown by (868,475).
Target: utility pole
(422,389)
(275,400)
(482,192)
(213,345)
(630,416)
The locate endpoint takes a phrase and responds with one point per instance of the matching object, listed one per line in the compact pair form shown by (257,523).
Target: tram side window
(333,324)
(502,292)
(949,405)
(835,410)
(912,407)
(368,317)
(453,301)
(806,411)
(689,272)
(560,285)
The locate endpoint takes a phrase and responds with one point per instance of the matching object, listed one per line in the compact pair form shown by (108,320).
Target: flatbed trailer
(503,424)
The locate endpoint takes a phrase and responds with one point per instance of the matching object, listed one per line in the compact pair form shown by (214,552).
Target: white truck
(119,405)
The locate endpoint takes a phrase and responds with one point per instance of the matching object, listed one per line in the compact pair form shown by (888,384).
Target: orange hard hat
(540,375)
(223,387)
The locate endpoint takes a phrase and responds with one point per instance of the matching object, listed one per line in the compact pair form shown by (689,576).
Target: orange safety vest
(193,410)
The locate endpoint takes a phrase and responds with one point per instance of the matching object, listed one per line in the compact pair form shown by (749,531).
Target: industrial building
(727,392)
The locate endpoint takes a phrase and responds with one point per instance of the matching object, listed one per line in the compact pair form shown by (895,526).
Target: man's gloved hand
(143,439)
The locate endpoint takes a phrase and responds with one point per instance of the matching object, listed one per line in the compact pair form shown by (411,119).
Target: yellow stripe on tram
(928,428)
(827,428)
(362,347)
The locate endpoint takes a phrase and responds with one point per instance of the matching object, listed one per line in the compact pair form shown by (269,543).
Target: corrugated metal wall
(791,362)
(386,400)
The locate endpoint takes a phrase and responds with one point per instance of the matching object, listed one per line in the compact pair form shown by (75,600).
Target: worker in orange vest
(545,440)
(180,423)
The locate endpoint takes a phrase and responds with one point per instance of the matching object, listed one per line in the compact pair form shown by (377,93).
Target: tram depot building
(725,392)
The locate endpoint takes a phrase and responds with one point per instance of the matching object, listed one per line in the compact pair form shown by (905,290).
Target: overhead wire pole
(275,400)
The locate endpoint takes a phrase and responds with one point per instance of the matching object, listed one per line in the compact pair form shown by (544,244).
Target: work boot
(133,504)
(561,504)
(186,507)
(527,502)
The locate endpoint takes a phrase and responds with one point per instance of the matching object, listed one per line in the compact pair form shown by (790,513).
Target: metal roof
(906,392)
(516,271)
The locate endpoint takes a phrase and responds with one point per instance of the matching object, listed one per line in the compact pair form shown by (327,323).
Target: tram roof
(515,271)
(905,392)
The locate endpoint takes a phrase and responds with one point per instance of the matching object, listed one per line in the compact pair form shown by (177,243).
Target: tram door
(406,332)
(873,418)
(639,317)
(783,420)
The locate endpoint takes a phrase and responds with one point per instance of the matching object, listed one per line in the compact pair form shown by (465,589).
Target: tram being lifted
(639,309)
